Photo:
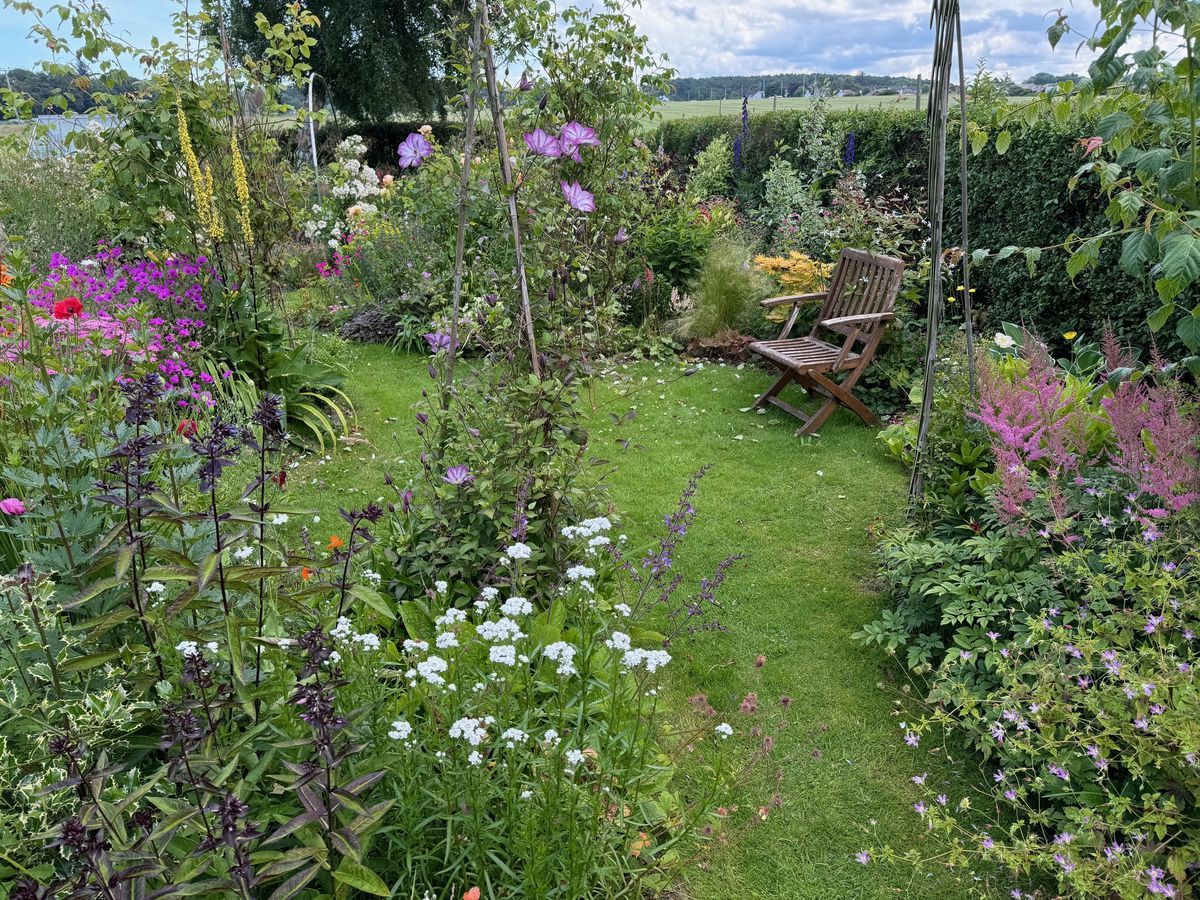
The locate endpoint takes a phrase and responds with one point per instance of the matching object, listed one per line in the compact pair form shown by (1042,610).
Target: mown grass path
(801,510)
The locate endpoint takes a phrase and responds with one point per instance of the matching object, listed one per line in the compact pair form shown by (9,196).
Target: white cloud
(713,37)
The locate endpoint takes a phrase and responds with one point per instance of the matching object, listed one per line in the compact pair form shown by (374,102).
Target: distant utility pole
(918,92)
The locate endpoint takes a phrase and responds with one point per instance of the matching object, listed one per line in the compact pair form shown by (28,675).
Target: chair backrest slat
(862,283)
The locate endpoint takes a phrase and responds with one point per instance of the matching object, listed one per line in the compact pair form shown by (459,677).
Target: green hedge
(381,139)
(1020,198)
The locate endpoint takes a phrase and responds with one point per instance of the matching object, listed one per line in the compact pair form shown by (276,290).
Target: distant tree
(1047,78)
(379,57)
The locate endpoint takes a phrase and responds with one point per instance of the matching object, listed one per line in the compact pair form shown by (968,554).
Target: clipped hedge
(891,143)
(1020,198)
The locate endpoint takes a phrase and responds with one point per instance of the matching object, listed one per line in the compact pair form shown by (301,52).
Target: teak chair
(857,306)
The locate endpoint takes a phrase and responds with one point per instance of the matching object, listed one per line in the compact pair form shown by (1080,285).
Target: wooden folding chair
(857,306)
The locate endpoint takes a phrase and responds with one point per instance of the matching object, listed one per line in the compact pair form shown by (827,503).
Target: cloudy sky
(751,37)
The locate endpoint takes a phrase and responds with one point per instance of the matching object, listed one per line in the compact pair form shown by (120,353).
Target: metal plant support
(947,27)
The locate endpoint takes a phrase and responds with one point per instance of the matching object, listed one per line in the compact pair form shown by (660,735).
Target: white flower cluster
(401,731)
(574,758)
(580,573)
(618,641)
(587,528)
(724,730)
(372,577)
(513,736)
(344,631)
(503,629)
(446,640)
(504,654)
(564,654)
(471,730)
(191,648)
(518,551)
(516,606)
(451,616)
(431,669)
(241,554)
(653,660)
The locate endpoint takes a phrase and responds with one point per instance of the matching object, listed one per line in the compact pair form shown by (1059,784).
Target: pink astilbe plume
(1155,441)
(1115,356)
(1035,425)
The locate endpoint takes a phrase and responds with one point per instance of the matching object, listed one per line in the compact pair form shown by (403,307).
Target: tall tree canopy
(380,57)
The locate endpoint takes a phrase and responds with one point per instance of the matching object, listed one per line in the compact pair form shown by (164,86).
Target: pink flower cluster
(132,310)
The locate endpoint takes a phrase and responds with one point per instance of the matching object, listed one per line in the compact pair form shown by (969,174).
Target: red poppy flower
(187,428)
(68,308)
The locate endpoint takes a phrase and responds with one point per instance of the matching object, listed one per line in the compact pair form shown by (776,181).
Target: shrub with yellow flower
(796,271)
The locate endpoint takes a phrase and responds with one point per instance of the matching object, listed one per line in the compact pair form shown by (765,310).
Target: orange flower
(472,894)
(305,573)
(335,542)
(5,278)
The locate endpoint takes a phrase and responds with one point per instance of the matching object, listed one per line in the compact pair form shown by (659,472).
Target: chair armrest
(861,318)
(794,298)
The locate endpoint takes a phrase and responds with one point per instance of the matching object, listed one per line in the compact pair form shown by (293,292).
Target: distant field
(682,109)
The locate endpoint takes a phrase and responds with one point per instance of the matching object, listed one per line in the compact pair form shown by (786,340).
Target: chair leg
(840,394)
(785,379)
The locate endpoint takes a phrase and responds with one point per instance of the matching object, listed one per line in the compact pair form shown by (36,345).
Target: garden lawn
(801,509)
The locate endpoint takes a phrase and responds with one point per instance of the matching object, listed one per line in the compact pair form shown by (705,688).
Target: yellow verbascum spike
(242,186)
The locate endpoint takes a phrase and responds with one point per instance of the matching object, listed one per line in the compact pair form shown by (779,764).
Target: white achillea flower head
(447,639)
(724,730)
(441,587)
(401,730)
(518,551)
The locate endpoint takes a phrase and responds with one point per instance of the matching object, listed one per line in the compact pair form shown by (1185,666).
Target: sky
(753,37)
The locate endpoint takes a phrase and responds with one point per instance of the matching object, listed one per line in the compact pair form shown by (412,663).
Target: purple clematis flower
(458,475)
(579,199)
(543,144)
(575,136)
(438,341)
(525,84)
(414,149)
(621,237)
